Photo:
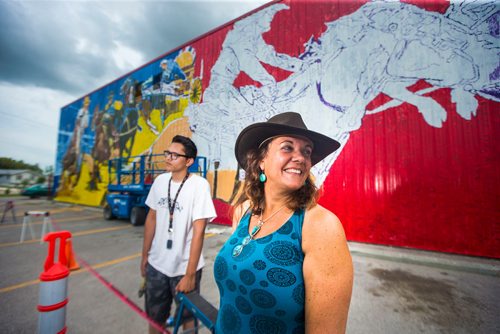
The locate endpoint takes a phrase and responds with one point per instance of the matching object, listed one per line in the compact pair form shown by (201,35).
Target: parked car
(35,190)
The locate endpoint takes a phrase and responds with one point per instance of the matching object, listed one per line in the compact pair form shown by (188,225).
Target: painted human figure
(171,71)
(81,123)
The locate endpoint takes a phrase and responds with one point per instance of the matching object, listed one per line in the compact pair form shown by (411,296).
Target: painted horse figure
(126,121)
(390,57)
(101,152)
(70,169)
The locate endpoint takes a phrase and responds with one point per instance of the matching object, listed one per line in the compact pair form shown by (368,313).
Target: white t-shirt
(194,202)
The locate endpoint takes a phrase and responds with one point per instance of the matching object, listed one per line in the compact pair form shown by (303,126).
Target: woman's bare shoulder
(322,224)
(320,215)
(238,213)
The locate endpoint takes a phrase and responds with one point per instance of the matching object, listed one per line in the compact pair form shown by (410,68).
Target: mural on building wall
(344,72)
(125,120)
(358,57)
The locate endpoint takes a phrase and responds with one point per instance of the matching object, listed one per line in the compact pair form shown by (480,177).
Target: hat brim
(253,135)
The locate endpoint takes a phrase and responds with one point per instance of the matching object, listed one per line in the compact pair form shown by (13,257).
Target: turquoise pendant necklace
(239,248)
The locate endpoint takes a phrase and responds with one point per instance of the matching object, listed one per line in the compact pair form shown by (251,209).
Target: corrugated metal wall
(410,89)
(399,182)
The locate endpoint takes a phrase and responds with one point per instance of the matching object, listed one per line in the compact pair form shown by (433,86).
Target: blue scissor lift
(130,181)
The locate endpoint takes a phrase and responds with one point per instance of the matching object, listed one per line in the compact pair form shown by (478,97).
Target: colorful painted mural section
(124,120)
(410,89)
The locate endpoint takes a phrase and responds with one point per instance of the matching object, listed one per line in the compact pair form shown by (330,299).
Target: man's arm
(188,282)
(149,233)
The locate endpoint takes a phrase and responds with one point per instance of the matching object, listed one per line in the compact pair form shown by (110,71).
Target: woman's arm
(328,272)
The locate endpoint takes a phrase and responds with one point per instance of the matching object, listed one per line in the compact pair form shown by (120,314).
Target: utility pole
(216,167)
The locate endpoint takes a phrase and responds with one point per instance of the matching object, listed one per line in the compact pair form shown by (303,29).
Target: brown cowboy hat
(285,124)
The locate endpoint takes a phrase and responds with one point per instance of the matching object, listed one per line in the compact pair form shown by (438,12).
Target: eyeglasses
(174,155)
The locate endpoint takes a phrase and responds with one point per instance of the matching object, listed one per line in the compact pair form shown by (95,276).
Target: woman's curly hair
(253,189)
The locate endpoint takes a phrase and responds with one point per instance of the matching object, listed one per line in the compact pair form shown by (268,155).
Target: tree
(8,163)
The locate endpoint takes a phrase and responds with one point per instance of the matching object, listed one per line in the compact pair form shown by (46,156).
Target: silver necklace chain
(239,248)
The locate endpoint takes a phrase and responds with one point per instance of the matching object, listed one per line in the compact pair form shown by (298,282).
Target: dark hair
(303,198)
(189,147)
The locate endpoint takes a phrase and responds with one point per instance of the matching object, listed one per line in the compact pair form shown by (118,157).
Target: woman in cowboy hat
(287,267)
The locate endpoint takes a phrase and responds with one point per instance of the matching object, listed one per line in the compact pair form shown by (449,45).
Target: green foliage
(8,163)
(41,179)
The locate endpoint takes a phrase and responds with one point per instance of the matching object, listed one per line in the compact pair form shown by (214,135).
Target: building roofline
(179,48)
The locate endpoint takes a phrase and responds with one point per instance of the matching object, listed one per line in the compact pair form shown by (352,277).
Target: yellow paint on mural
(146,139)
(81,193)
(225,185)
(185,59)
(176,125)
(144,136)
(156,119)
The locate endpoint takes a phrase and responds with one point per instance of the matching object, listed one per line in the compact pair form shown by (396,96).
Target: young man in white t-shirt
(180,208)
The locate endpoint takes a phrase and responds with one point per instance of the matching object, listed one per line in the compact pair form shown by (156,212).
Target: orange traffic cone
(72,264)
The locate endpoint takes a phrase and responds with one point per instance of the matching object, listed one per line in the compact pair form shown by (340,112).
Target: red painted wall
(418,186)
(399,181)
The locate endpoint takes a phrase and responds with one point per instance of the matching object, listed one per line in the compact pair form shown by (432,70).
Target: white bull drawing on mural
(383,47)
(396,45)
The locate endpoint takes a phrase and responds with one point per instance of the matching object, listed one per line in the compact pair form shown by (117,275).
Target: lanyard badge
(170,231)
(171,208)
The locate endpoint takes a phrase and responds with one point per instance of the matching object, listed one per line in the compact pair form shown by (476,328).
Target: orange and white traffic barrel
(54,287)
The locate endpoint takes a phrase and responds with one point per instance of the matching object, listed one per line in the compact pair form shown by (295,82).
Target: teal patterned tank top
(262,289)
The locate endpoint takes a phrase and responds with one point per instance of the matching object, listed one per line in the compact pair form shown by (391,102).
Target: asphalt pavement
(396,290)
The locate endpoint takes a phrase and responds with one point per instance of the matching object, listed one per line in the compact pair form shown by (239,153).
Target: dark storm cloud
(39,45)
(69,46)
(173,24)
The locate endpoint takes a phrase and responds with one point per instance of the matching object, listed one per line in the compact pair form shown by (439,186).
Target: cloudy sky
(54,52)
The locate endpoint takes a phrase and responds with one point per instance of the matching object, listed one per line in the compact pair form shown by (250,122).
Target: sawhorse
(202,310)
(9,206)
(47,224)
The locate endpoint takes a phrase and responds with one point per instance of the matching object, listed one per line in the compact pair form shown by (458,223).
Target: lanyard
(171,205)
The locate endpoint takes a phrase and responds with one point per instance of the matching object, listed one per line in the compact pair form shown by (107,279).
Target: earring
(262,177)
